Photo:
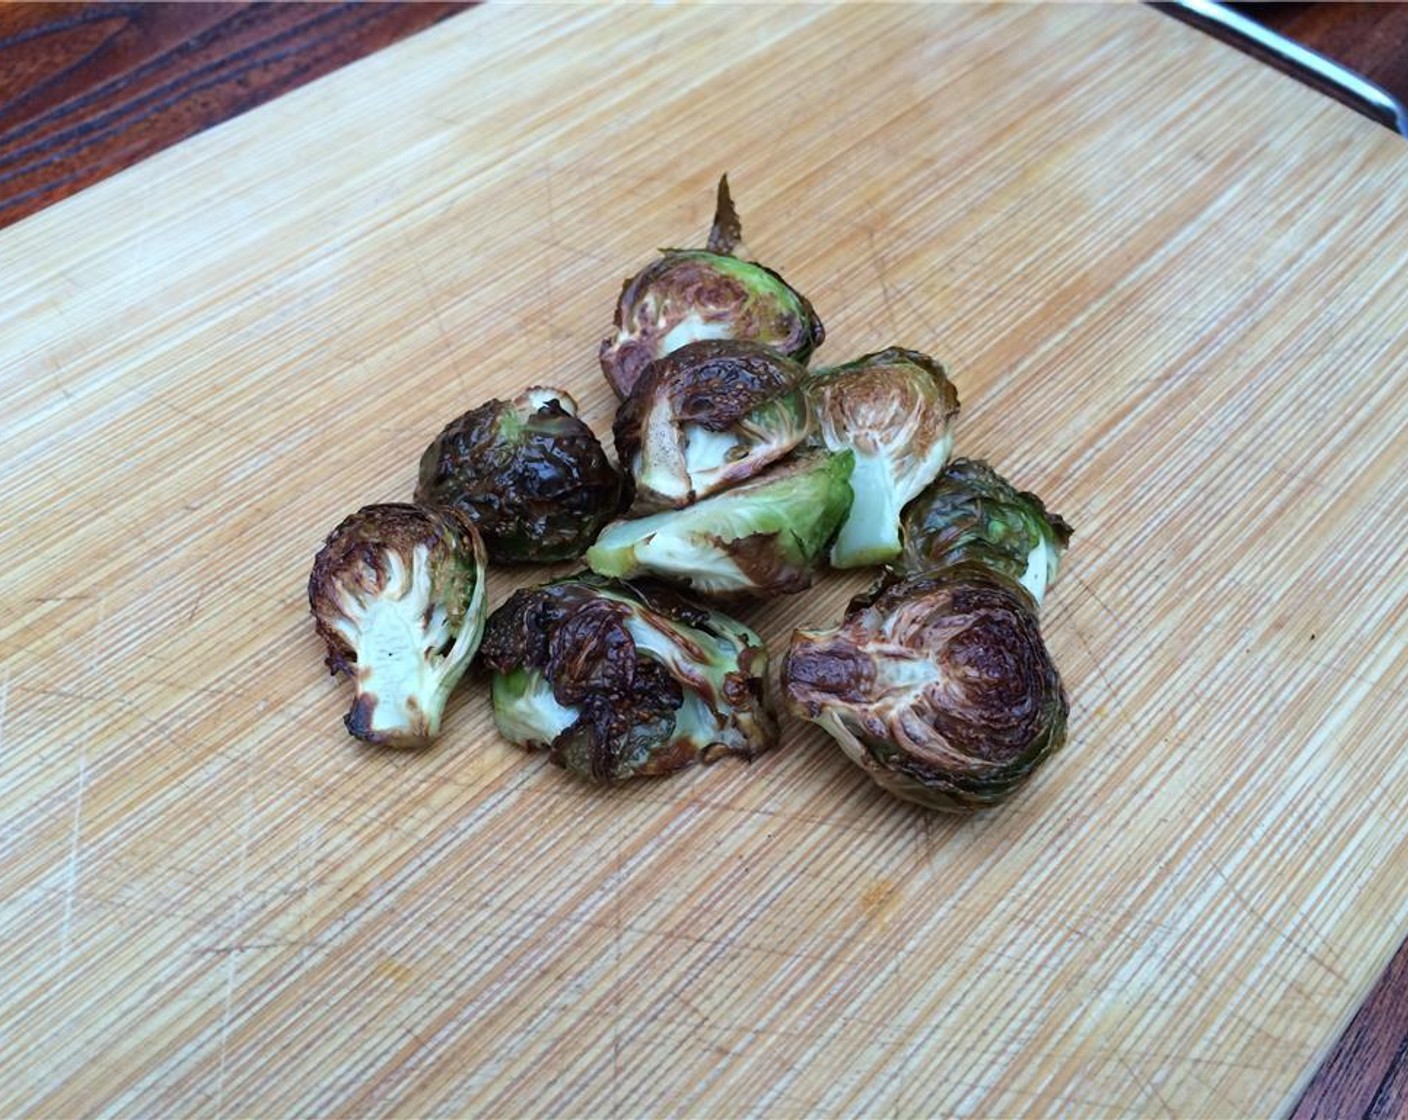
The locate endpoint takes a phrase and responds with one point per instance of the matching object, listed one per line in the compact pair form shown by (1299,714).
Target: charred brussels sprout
(620,681)
(970,512)
(397,594)
(895,410)
(708,416)
(762,537)
(692,294)
(528,472)
(940,687)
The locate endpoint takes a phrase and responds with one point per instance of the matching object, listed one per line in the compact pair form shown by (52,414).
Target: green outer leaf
(970,512)
(531,475)
(765,536)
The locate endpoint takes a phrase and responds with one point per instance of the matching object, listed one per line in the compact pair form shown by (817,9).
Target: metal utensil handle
(1324,73)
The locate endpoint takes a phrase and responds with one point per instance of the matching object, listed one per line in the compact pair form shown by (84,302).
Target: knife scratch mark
(1105,680)
(57,372)
(920,837)
(617,924)
(552,242)
(1147,1083)
(1099,601)
(1284,935)
(62,693)
(232,959)
(4,703)
(306,851)
(71,873)
(887,297)
(220,426)
(549,260)
(440,325)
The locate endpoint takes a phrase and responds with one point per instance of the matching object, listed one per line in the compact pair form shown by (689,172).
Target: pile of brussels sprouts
(742,473)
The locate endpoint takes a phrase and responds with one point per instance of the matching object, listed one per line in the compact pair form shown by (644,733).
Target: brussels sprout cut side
(939,687)
(688,295)
(397,595)
(531,476)
(619,681)
(766,536)
(706,417)
(895,409)
(972,512)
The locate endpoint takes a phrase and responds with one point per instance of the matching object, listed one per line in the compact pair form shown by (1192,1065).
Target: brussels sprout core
(619,681)
(526,711)
(397,595)
(536,398)
(691,295)
(940,687)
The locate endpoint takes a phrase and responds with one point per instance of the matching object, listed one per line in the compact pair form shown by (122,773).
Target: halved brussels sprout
(530,474)
(766,536)
(397,595)
(692,294)
(706,417)
(970,512)
(940,687)
(895,410)
(619,681)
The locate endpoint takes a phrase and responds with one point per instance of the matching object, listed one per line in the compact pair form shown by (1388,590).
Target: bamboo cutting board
(1170,286)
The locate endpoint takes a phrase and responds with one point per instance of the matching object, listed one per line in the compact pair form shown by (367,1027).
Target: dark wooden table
(88,89)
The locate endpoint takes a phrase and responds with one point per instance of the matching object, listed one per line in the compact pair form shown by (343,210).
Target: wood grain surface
(88,89)
(216,903)
(1366,1072)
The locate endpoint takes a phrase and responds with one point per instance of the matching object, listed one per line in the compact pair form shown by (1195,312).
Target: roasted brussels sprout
(895,410)
(762,537)
(970,512)
(708,416)
(691,294)
(940,687)
(528,472)
(619,680)
(397,594)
